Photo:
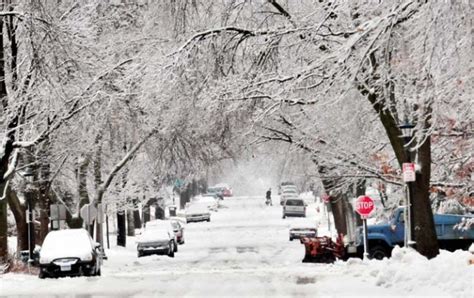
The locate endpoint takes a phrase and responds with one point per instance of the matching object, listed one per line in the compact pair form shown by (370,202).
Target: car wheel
(378,252)
(171,250)
(98,273)
(175,247)
(140,253)
(291,238)
(208,220)
(284,216)
(42,275)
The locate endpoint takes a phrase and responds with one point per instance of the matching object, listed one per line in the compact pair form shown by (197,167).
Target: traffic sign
(57,212)
(364,206)
(88,213)
(408,170)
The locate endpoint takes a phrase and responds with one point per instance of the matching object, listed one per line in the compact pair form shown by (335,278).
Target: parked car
(168,225)
(197,212)
(222,189)
(285,184)
(294,207)
(69,253)
(303,228)
(156,239)
(286,196)
(209,201)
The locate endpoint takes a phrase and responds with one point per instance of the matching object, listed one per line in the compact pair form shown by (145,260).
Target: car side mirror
(96,245)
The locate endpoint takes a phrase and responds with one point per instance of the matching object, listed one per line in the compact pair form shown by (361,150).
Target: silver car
(156,240)
(294,207)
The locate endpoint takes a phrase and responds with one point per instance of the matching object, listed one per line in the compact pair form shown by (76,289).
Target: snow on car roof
(153,233)
(74,243)
(158,223)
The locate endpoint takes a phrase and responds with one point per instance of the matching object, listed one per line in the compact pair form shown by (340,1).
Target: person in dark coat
(268,197)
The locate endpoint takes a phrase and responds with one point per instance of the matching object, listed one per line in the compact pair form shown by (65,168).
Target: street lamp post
(407,133)
(29,176)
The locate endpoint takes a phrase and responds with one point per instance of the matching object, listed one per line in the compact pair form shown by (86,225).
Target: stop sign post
(365,206)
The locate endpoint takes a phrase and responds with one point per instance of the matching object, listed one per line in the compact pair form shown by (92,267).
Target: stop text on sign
(364,206)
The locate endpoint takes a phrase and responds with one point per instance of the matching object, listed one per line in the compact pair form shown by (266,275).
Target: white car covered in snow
(197,212)
(69,253)
(156,239)
(211,202)
(169,226)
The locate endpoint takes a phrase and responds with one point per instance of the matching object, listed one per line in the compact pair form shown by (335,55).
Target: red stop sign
(364,206)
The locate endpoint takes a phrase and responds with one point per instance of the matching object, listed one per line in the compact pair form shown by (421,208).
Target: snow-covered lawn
(244,251)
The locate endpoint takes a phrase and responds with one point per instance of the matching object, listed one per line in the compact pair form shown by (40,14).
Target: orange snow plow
(322,249)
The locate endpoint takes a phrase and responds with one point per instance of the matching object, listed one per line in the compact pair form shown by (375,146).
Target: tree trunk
(146,214)
(130,223)
(137,221)
(19,213)
(336,201)
(423,223)
(159,212)
(121,229)
(83,164)
(97,184)
(3,230)
(339,213)
(44,204)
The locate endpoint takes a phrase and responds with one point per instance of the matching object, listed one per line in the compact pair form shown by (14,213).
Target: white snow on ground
(244,251)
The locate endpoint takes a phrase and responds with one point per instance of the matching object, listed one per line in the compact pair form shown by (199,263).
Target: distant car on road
(69,253)
(286,184)
(156,239)
(197,212)
(222,189)
(304,228)
(294,207)
(286,196)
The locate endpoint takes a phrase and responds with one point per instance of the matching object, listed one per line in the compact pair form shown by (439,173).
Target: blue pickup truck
(382,238)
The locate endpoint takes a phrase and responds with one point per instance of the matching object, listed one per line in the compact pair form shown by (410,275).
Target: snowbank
(409,272)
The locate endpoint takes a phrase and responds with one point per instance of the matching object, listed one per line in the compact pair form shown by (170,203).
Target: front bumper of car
(198,217)
(299,233)
(68,267)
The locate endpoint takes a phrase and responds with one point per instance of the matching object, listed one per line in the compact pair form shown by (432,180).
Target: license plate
(65,267)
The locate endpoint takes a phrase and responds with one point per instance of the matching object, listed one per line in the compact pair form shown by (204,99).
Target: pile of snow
(409,272)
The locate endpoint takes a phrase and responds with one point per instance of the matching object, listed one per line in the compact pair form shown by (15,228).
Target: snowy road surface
(245,251)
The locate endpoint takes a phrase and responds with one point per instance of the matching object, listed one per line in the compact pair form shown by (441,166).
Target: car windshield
(215,189)
(294,203)
(67,240)
(154,233)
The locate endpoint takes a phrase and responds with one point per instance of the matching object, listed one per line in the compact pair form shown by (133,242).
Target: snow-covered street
(245,251)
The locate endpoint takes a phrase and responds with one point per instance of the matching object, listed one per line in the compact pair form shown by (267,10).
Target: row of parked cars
(72,252)
(162,237)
